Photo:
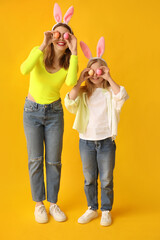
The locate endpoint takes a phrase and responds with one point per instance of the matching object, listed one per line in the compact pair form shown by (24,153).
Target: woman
(49,65)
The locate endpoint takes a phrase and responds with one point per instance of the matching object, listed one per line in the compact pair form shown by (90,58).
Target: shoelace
(56,208)
(87,212)
(41,209)
(105,214)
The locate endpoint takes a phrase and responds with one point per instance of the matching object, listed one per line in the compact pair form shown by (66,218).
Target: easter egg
(66,35)
(90,72)
(56,35)
(99,72)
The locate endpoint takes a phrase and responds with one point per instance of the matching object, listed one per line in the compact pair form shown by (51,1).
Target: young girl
(97,106)
(49,65)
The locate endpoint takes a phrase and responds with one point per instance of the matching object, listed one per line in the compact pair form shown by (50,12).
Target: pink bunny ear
(68,15)
(100,47)
(57,13)
(86,50)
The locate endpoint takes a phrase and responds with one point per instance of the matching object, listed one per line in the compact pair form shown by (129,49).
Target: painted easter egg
(90,72)
(56,35)
(66,35)
(99,72)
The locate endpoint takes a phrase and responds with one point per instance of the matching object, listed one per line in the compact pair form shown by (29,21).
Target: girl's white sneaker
(57,214)
(106,219)
(41,214)
(88,216)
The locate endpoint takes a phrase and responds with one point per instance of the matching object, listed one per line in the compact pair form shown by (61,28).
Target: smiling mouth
(61,43)
(95,78)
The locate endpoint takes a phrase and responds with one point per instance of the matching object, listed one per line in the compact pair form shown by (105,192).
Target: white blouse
(98,125)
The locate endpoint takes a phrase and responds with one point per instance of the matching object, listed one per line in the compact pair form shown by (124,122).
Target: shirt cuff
(122,94)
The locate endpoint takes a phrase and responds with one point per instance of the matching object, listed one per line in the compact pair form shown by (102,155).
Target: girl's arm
(75,90)
(106,75)
(118,92)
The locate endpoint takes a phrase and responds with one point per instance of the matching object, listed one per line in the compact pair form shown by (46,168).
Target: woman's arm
(71,78)
(31,61)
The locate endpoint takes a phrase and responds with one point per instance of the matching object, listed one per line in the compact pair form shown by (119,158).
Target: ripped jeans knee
(35,164)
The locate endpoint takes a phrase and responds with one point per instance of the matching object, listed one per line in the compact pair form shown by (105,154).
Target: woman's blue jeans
(98,157)
(43,126)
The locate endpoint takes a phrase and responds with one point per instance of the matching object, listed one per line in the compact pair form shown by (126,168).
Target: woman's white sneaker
(57,214)
(106,219)
(88,216)
(41,214)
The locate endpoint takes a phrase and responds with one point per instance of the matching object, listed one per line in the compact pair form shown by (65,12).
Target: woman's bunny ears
(100,49)
(58,14)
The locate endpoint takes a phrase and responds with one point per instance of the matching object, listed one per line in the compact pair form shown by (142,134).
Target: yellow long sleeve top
(45,87)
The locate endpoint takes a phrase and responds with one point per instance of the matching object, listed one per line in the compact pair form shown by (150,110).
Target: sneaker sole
(57,219)
(88,220)
(106,224)
(40,220)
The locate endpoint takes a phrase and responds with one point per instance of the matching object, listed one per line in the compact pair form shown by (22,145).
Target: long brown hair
(89,87)
(49,52)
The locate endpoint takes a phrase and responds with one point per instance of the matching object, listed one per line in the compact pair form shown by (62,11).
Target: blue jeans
(98,157)
(43,125)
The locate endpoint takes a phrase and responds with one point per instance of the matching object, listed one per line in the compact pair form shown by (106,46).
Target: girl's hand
(72,43)
(84,75)
(105,73)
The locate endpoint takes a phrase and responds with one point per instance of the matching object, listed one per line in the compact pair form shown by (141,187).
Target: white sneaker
(106,219)
(88,216)
(41,214)
(56,212)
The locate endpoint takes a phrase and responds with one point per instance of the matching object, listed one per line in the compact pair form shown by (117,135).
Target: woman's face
(60,43)
(95,79)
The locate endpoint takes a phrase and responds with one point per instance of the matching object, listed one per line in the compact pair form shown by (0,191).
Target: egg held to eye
(66,35)
(99,72)
(56,35)
(90,72)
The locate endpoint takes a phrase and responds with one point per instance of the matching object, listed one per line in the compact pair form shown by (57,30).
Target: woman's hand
(72,43)
(48,39)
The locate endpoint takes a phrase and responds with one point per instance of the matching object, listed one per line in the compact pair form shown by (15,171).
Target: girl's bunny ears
(58,15)
(100,49)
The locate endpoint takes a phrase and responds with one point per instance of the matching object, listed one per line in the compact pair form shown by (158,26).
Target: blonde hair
(49,53)
(89,87)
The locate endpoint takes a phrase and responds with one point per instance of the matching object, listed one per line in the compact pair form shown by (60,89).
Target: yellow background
(131,30)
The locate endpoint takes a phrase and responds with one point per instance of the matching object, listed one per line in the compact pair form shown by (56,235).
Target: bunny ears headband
(58,15)
(100,49)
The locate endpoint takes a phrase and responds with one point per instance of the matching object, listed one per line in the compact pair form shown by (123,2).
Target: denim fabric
(98,157)
(43,126)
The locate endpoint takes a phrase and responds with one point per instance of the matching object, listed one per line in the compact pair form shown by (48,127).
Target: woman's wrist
(74,52)
(43,46)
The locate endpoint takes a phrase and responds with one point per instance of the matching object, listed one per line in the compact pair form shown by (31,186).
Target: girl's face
(60,43)
(95,79)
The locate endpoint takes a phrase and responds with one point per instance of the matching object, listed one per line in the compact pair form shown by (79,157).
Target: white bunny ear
(57,13)
(100,47)
(86,50)
(68,15)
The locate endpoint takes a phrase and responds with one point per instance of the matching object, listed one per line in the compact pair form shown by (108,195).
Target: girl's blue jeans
(98,157)
(43,126)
